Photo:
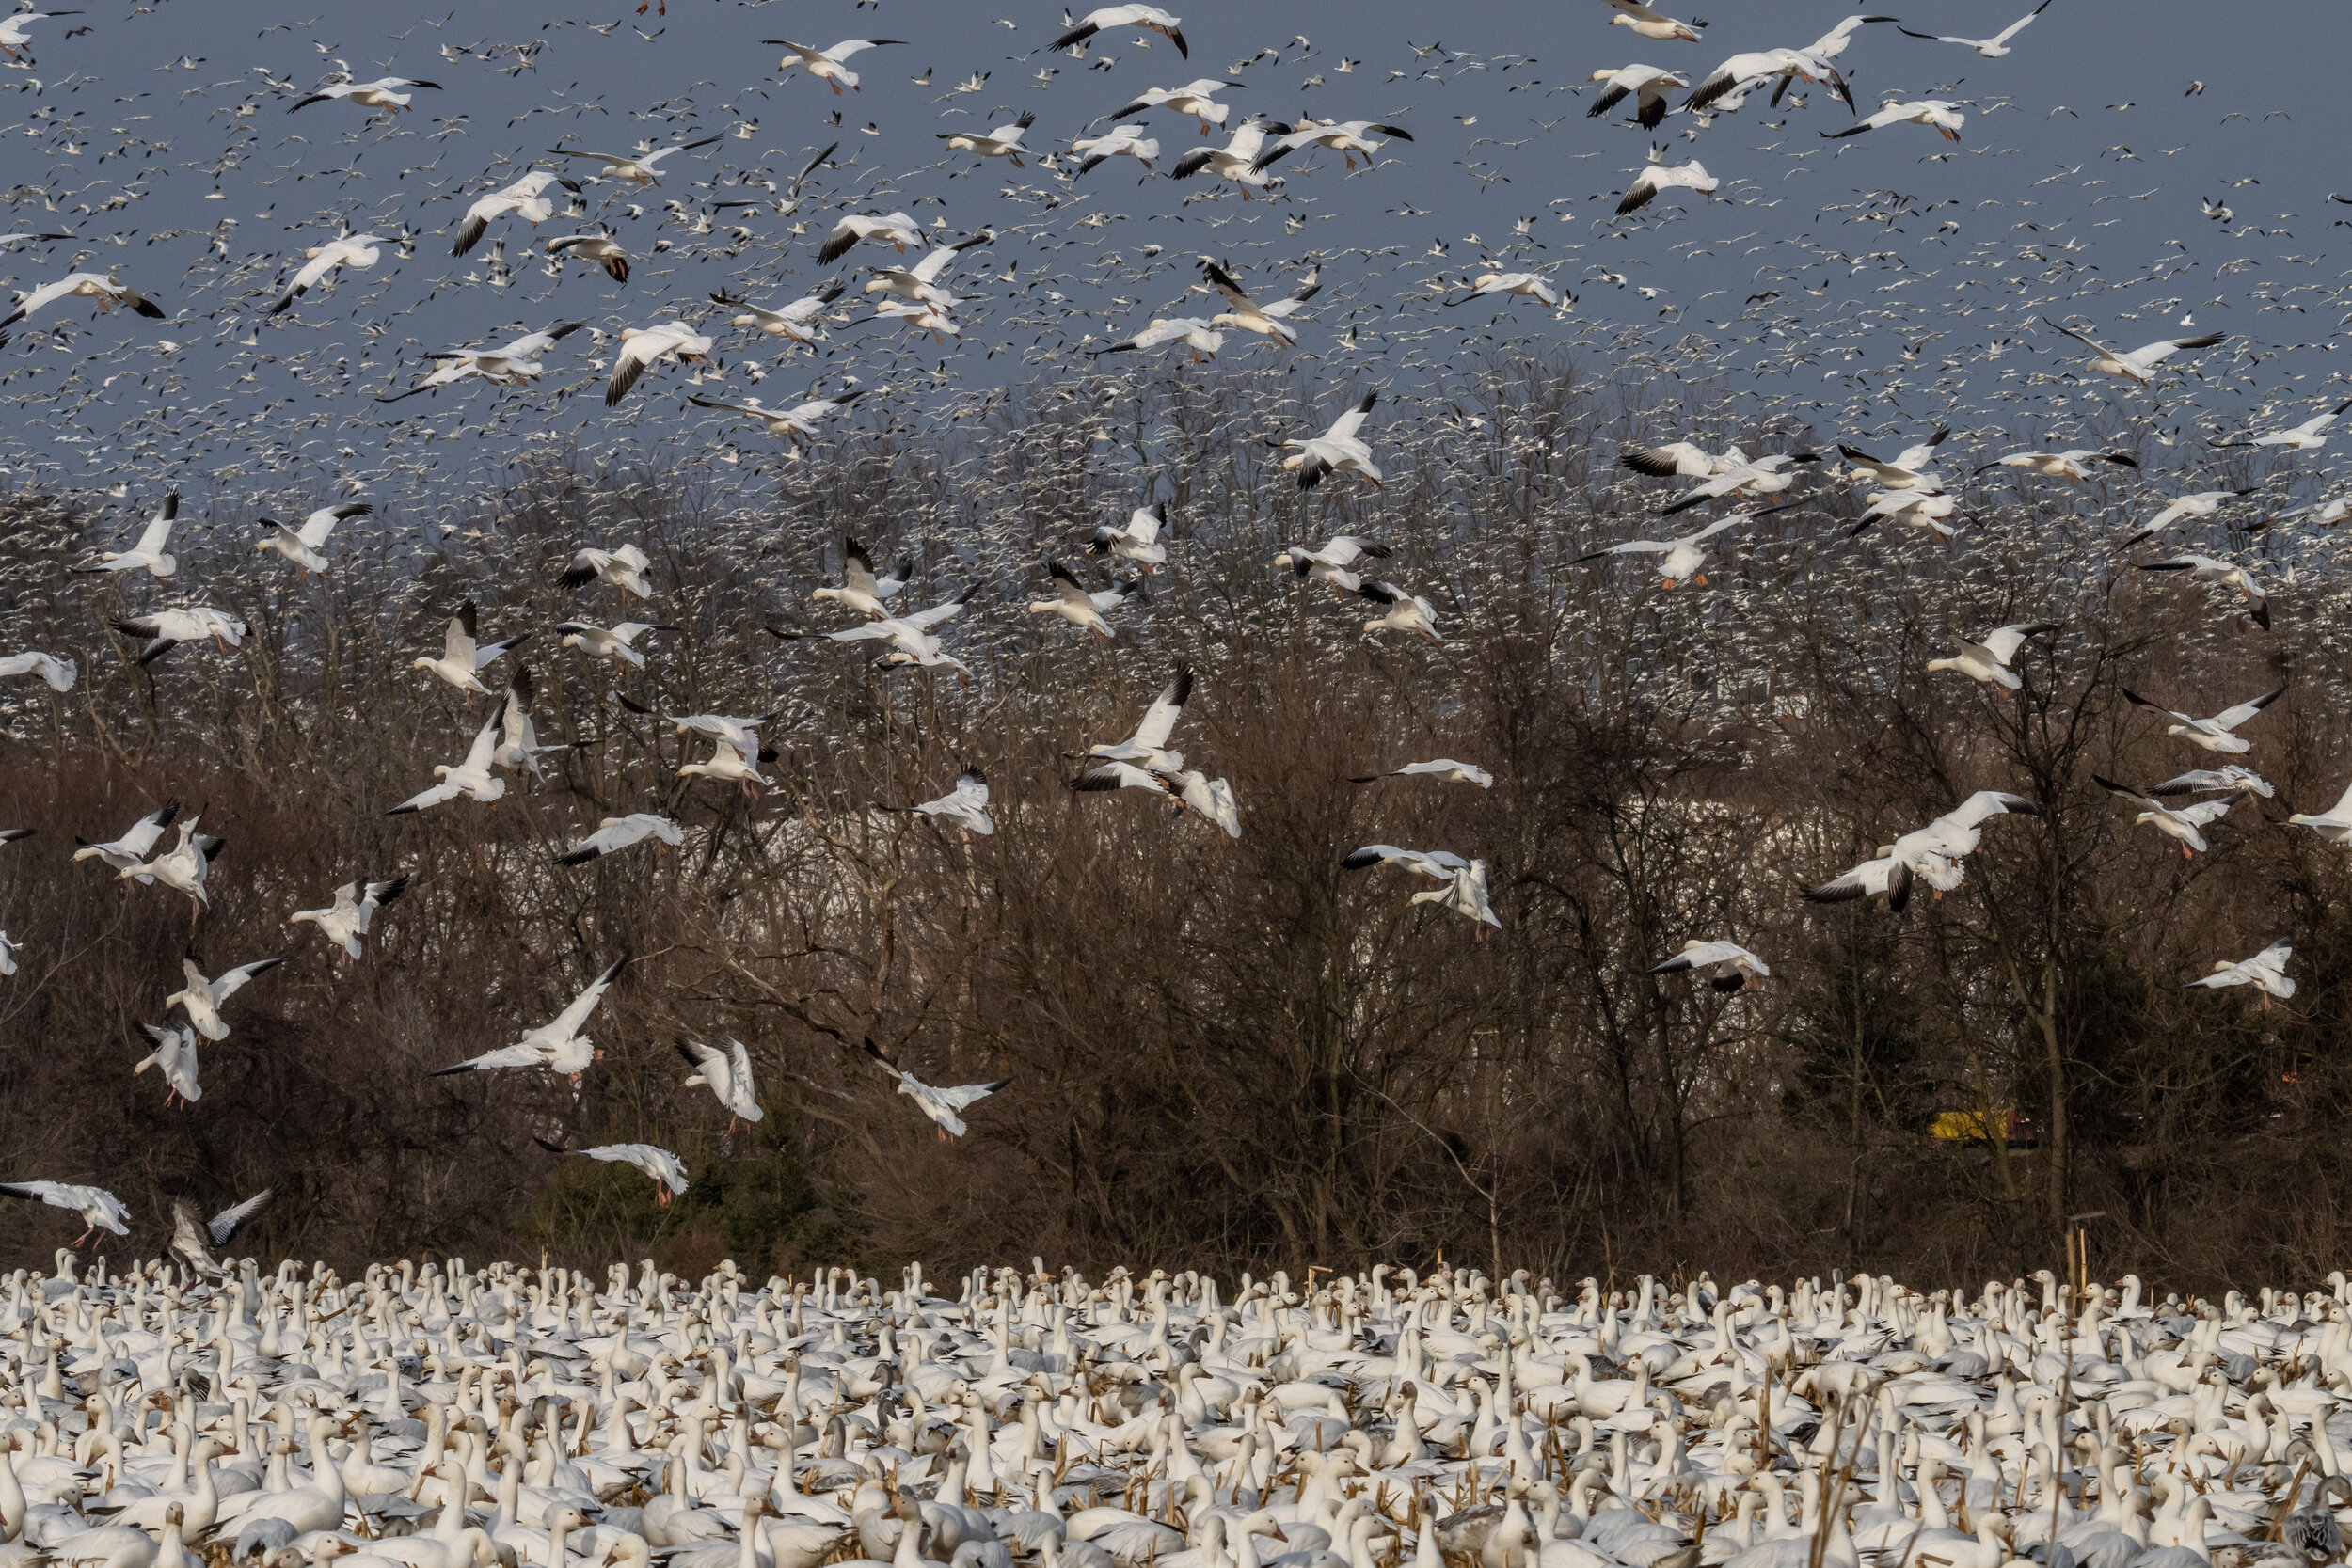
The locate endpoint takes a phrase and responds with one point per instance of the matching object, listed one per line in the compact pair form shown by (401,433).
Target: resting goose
(200,998)
(347,920)
(1445,768)
(183,868)
(1725,965)
(615,834)
(966,804)
(1082,609)
(135,845)
(558,1046)
(174,1061)
(667,1170)
(614,643)
(470,778)
(99,1207)
(2180,824)
(2210,734)
(59,672)
(727,1074)
(1988,659)
(1138,541)
(2266,968)
(939,1103)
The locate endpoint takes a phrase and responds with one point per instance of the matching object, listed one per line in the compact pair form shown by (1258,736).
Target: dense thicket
(1222,1053)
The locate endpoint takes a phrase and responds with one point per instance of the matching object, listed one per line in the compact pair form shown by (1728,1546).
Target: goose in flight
(1683,460)
(1943,115)
(796,423)
(1909,468)
(200,998)
(135,845)
(799,321)
(919,283)
(1197,99)
(1645,84)
(59,672)
(1211,799)
(827,65)
(83,285)
(1194,332)
(1441,863)
(2310,435)
(471,778)
(727,1074)
(2212,572)
(100,1209)
(1932,854)
(2140,364)
(1407,610)
(347,919)
(2202,504)
(2266,968)
(14,39)
(2180,824)
(149,554)
(861,589)
(1765,476)
(10,948)
(734,760)
(302,546)
(603,249)
(526,199)
(2069,465)
(183,867)
(356,252)
(1652,24)
(1331,563)
(1147,746)
(615,834)
(997,141)
(894,228)
(1444,768)
(909,636)
(511,364)
(1725,86)
(383,93)
(2214,733)
(922,317)
(1920,508)
(1658,175)
(2334,824)
(635,169)
(1338,450)
(967,804)
(2222,780)
(1465,893)
(943,1105)
(2325,513)
(166,630)
(614,643)
(1992,48)
(1168,25)
(641,346)
(193,1237)
(624,569)
(1075,604)
(1236,160)
(1347,137)
(1270,320)
(462,655)
(1727,966)
(174,1061)
(1137,540)
(1120,141)
(1988,658)
(1684,556)
(1525,285)
(558,1046)
(667,1170)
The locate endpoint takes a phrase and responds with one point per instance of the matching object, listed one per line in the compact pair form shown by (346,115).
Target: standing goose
(193,1237)
(347,919)
(98,1207)
(2266,968)
(558,1046)
(200,998)
(967,804)
(149,554)
(727,1074)
(1988,659)
(667,1170)
(940,1104)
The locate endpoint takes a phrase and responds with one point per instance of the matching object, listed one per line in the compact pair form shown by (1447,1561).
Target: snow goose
(1652,24)
(302,546)
(356,252)
(796,323)
(919,283)
(1441,863)
(1407,611)
(1138,541)
(1347,137)
(1338,450)
(1465,893)
(861,588)
(1724,88)
(347,920)
(166,630)
(2200,781)
(1918,508)
(635,169)
(149,554)
(514,363)
(1194,332)
(1684,556)
(1147,746)
(2204,503)
(615,834)
(2068,465)
(1120,141)
(183,868)
(733,761)
(2140,364)
(135,845)
(1166,24)
(14,41)
(601,248)
(200,998)
(2266,968)
(1907,470)
(1992,48)
(1681,459)
(966,804)
(922,317)
(193,1237)
(1246,315)
(1197,99)
(383,93)
(98,1207)
(1236,160)
(2325,513)
(1988,658)
(1658,175)
(518,749)
(894,228)
(2212,572)
(2334,824)
(1524,285)
(82,285)
(1765,476)
(527,199)
(827,65)
(997,141)
(667,1170)
(624,569)
(796,423)
(59,672)
(1331,563)
(2214,733)
(471,778)
(1645,85)
(462,654)
(909,630)
(942,1105)
(1444,768)
(609,642)
(10,836)
(2180,824)
(174,1061)
(727,1074)
(1931,853)
(2310,435)
(559,1046)
(1080,608)
(1212,800)
(641,346)
(1727,966)
(1942,115)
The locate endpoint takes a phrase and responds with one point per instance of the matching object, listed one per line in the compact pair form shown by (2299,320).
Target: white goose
(2266,968)
(83,285)
(1727,966)
(1236,160)
(98,1207)
(2334,824)
(1137,540)
(1338,450)
(799,321)
(667,1170)
(470,778)
(166,630)
(616,834)
(2204,503)
(1245,314)
(2213,572)
(965,805)
(997,141)
(624,569)
(1147,746)
(861,588)
(1651,23)
(2310,435)
(462,654)
(356,252)
(893,228)
(200,998)
(1444,768)
(1347,137)
(1194,332)
(558,1046)
(183,868)
(383,93)
(635,169)
(1992,48)
(827,65)
(732,761)
(1332,563)
(347,920)
(2140,365)
(1524,285)
(641,346)
(1197,99)
(612,643)
(1166,24)
(796,423)
(1658,176)
(526,199)
(1940,114)
(2214,733)
(193,1237)
(518,749)
(601,248)
(1407,610)
(942,1105)
(727,1074)
(919,283)
(1081,607)
(149,554)
(2180,824)
(2068,465)
(1988,658)
(135,845)
(1684,554)
(59,672)
(1645,85)
(302,546)
(174,1061)
(1120,141)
